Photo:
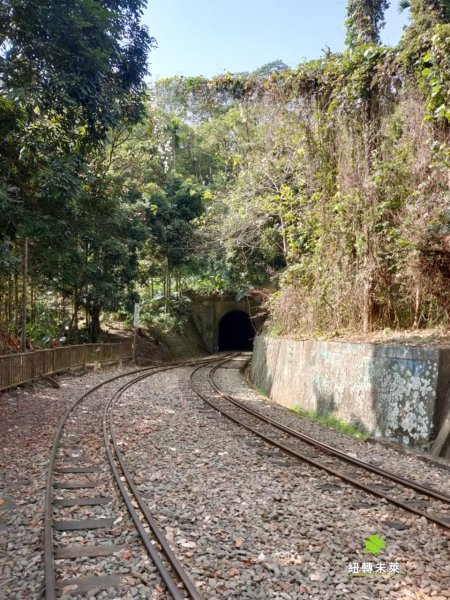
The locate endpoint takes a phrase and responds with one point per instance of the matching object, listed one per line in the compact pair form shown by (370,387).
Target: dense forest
(325,187)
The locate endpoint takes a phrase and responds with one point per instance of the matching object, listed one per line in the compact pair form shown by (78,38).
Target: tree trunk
(369,131)
(3,304)
(284,238)
(368,305)
(169,283)
(10,300)
(165,292)
(417,307)
(167,287)
(73,325)
(32,303)
(95,323)
(24,296)
(16,304)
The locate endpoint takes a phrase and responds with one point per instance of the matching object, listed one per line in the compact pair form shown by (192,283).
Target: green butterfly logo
(374,544)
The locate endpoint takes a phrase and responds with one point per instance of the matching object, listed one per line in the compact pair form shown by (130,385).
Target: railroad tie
(83,524)
(80,551)
(77,470)
(96,500)
(75,485)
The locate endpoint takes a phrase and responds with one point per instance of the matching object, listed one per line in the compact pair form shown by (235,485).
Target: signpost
(135,325)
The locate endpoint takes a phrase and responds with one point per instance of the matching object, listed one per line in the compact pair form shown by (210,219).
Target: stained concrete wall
(396,392)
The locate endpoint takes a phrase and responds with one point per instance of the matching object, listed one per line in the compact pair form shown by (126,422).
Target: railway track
(88,474)
(84,481)
(406,494)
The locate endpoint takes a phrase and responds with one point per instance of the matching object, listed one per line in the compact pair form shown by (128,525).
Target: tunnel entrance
(236,331)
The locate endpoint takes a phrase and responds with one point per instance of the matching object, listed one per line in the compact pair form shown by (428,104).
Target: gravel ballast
(251,522)
(29,420)
(246,520)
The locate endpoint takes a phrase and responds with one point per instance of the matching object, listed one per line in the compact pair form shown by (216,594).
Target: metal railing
(16,369)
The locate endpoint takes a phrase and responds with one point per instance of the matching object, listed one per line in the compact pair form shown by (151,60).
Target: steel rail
(153,553)
(50,580)
(330,449)
(110,436)
(307,459)
(49,568)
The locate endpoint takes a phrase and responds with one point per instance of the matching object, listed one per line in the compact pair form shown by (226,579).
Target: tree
(365,18)
(71,71)
(427,11)
(80,62)
(90,253)
(276,66)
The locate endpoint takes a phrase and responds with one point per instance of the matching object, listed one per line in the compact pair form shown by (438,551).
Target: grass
(330,421)
(336,424)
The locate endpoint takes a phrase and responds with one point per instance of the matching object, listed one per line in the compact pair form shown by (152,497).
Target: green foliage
(330,421)
(276,66)
(154,313)
(47,325)
(80,62)
(424,53)
(173,208)
(436,74)
(327,178)
(364,21)
(72,78)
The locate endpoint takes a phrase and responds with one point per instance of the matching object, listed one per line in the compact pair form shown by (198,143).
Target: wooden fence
(16,369)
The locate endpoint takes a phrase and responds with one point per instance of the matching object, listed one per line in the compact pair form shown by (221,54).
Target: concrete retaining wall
(396,392)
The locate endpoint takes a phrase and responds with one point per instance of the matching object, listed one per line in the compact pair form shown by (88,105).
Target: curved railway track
(397,490)
(88,419)
(80,480)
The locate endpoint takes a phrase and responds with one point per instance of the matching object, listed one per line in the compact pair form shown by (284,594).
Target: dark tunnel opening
(236,331)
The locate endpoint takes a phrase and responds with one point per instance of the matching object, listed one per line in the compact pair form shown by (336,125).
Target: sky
(210,37)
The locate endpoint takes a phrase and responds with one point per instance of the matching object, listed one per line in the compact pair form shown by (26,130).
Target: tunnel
(236,331)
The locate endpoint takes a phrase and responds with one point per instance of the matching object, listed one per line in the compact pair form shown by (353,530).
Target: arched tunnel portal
(236,331)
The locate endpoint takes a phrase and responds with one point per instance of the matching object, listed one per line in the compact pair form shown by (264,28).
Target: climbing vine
(339,186)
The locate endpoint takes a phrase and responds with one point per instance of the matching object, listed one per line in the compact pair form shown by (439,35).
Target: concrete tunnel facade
(226,323)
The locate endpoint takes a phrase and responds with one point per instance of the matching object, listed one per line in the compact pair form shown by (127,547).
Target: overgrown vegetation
(330,182)
(325,186)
